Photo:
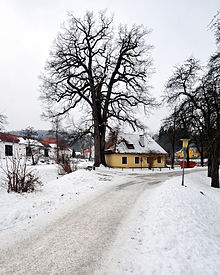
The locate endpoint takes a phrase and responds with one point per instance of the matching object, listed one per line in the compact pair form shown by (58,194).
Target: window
(136,160)
(124,160)
(130,146)
(46,153)
(148,160)
(158,159)
(8,150)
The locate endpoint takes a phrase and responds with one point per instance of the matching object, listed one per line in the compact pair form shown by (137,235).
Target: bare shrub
(67,166)
(18,177)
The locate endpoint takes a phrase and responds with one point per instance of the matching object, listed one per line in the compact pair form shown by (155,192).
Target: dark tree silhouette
(199,103)
(100,69)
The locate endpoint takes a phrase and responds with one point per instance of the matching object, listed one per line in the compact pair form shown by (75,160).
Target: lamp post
(185,145)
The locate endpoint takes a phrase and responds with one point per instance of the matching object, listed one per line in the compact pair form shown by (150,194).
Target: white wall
(19,150)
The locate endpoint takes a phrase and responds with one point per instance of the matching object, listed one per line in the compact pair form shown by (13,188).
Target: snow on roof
(130,143)
(52,142)
(32,142)
(19,139)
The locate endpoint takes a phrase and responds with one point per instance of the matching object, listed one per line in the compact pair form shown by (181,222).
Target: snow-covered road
(78,242)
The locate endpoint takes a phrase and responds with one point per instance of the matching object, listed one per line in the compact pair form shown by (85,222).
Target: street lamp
(185,145)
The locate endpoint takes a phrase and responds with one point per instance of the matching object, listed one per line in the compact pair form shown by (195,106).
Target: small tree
(150,160)
(32,149)
(67,166)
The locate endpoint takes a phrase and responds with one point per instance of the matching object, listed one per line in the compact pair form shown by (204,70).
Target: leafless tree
(3,121)
(199,99)
(103,70)
(31,150)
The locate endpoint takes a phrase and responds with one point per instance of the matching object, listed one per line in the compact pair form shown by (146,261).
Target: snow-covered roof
(5,137)
(135,143)
(32,142)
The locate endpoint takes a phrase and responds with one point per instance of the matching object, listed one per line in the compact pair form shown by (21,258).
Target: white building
(50,144)
(19,147)
(10,145)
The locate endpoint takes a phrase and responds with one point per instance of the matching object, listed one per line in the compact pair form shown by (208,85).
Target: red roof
(9,138)
(49,140)
(111,142)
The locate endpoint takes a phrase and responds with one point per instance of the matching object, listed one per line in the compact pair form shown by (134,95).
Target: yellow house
(193,153)
(134,151)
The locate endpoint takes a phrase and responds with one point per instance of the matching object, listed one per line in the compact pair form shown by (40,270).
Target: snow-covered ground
(57,191)
(171,229)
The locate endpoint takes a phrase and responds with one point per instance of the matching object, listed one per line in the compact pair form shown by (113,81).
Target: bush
(67,166)
(18,177)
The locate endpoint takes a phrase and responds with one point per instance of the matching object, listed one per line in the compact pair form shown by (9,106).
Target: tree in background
(3,121)
(197,99)
(32,149)
(57,131)
(103,71)
(169,136)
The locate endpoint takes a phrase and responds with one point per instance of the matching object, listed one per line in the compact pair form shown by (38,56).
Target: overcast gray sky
(28,28)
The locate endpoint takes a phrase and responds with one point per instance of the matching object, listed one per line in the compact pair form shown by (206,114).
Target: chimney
(141,140)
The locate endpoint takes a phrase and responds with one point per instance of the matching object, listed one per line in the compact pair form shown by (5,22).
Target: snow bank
(56,191)
(173,230)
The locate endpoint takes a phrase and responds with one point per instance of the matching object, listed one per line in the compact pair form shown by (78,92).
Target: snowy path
(78,242)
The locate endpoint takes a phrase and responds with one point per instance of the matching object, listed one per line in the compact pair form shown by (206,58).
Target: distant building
(52,145)
(18,146)
(134,151)
(9,146)
(88,153)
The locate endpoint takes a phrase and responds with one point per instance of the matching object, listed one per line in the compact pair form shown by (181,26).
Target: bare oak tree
(103,70)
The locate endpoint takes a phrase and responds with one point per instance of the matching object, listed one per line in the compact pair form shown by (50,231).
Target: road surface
(78,242)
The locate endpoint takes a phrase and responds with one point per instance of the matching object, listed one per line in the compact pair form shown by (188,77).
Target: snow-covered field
(171,229)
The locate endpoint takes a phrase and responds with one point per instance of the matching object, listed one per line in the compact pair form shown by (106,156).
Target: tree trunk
(202,156)
(99,144)
(90,148)
(215,173)
(173,155)
(209,166)
(99,132)
(215,165)
(32,156)
(103,131)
